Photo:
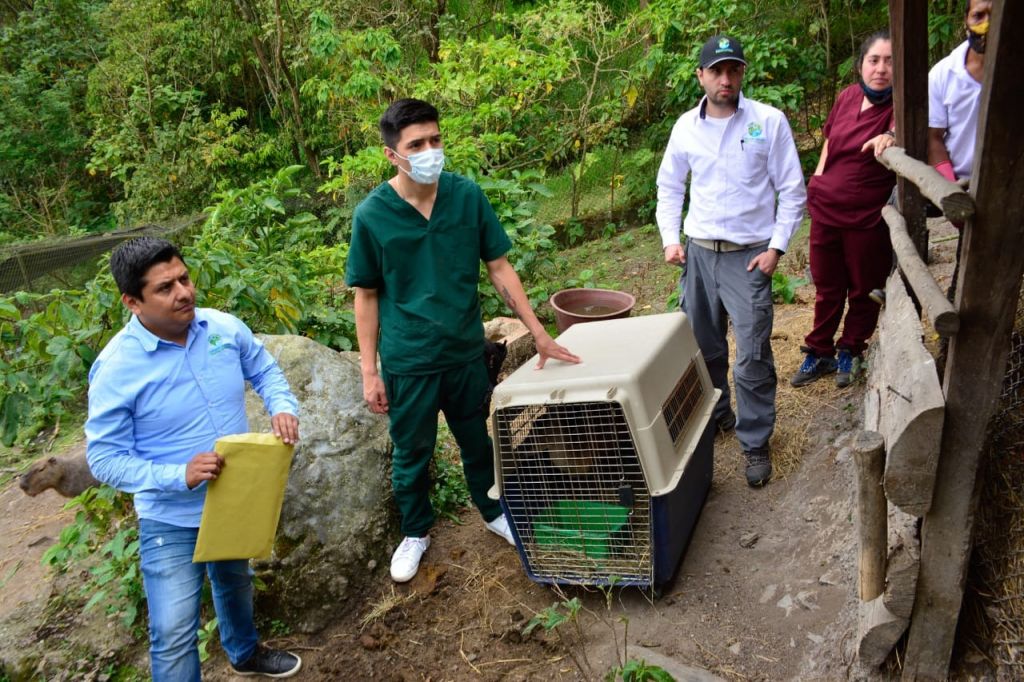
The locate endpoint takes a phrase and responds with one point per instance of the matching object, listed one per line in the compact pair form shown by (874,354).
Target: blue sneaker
(812,369)
(847,368)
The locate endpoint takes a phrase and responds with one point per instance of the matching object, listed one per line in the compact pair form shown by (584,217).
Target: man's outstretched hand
(547,348)
(286,427)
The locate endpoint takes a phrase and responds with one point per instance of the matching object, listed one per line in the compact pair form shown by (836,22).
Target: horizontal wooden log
(937,307)
(903,564)
(904,403)
(869,458)
(956,204)
(878,631)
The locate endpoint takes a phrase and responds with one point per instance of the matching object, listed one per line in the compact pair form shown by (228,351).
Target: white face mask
(425,167)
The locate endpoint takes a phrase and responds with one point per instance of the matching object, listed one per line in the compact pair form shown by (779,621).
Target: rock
(829,577)
(748,540)
(786,602)
(337,515)
(807,600)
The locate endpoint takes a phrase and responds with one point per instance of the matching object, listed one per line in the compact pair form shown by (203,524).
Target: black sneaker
(269,663)
(727,422)
(759,467)
(812,369)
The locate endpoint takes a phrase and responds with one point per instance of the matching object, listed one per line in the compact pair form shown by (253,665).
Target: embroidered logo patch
(217,344)
(754,130)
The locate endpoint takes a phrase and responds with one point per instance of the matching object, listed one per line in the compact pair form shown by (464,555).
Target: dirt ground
(766,589)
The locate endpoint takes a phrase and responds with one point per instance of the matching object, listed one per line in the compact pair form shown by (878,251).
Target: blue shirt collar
(151,341)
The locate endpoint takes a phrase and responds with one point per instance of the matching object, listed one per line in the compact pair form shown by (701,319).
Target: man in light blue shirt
(164,389)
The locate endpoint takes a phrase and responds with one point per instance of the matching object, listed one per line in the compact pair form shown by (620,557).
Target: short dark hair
(131,260)
(881,34)
(403,113)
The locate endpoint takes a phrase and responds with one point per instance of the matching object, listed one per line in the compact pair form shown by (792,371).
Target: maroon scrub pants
(846,264)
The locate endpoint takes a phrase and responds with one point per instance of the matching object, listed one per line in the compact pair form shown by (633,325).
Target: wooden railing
(956,205)
(905,405)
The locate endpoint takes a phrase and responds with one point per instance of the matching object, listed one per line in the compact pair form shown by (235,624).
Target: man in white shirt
(740,154)
(954,96)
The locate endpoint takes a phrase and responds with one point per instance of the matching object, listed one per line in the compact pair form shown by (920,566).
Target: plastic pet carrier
(603,467)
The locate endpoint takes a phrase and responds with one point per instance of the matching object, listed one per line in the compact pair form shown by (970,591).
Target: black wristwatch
(778,251)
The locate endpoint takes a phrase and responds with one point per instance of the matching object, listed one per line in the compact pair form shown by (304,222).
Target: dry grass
(996,595)
(384,605)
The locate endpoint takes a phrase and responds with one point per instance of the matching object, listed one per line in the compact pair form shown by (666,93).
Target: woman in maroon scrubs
(849,245)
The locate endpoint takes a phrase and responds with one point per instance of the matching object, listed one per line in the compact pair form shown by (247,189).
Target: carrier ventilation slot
(682,402)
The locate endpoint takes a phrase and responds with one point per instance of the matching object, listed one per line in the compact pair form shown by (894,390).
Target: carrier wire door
(602,468)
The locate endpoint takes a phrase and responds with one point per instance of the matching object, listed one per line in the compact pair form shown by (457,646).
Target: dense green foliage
(104,535)
(122,110)
(264,113)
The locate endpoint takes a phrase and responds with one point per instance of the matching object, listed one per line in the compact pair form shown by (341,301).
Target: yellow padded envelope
(243,504)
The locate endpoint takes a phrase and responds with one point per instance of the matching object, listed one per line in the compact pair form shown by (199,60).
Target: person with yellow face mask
(954,97)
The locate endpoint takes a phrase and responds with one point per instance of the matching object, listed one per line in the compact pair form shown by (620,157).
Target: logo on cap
(723,44)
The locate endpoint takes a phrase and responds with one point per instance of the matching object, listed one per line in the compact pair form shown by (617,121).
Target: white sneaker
(500,527)
(406,559)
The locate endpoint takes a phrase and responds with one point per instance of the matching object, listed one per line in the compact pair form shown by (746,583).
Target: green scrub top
(426,273)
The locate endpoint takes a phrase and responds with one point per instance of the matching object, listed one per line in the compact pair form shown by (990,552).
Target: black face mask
(976,41)
(876,96)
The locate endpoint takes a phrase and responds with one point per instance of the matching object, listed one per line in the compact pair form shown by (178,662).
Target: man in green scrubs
(414,261)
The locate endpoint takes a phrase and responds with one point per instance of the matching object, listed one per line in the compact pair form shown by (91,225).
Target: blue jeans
(173,584)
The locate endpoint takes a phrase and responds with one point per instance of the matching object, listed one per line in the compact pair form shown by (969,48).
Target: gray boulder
(337,514)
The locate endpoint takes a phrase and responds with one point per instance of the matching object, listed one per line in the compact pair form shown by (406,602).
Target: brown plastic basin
(587,305)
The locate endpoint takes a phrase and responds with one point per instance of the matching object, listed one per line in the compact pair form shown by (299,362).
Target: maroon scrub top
(853,186)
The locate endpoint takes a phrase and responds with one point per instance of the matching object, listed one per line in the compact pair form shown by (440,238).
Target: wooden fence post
(869,456)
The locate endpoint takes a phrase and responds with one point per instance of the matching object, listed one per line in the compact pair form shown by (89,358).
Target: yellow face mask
(981,29)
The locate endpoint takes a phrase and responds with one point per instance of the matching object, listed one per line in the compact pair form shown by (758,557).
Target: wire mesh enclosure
(996,579)
(42,265)
(603,467)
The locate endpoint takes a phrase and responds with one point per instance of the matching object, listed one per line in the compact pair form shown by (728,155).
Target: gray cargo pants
(716,288)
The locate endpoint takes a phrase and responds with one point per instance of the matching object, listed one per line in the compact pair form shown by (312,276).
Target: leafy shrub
(262,261)
(47,344)
(532,241)
(449,493)
(784,287)
(104,529)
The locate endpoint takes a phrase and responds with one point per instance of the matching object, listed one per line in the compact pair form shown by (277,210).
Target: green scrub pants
(413,403)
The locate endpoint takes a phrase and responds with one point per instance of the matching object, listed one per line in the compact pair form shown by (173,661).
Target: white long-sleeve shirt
(736,175)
